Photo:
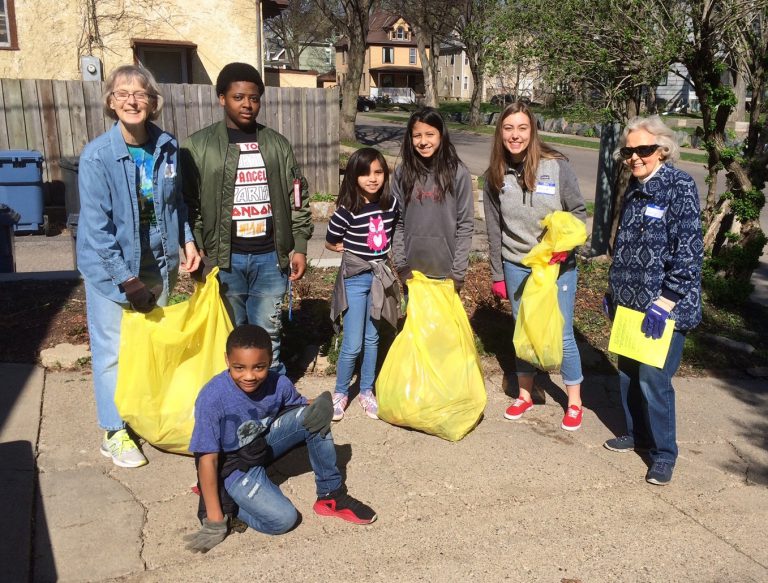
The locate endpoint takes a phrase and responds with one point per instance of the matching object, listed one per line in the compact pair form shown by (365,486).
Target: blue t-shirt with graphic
(143,158)
(227,418)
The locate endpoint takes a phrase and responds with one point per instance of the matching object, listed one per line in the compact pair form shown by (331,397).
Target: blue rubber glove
(654,321)
(608,308)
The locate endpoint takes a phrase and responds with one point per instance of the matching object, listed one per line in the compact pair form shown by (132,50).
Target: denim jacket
(108,245)
(659,249)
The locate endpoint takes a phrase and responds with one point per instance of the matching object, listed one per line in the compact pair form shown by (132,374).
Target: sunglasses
(641,151)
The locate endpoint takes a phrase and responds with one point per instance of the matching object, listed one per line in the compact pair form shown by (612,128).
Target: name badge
(654,211)
(545,188)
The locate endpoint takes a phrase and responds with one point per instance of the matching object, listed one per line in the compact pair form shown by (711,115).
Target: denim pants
(649,401)
(253,290)
(361,332)
(104,318)
(515,277)
(262,505)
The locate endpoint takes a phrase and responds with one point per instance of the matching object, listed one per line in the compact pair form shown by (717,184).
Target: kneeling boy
(248,416)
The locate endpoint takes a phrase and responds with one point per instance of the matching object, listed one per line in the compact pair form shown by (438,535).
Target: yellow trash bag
(166,357)
(538,335)
(431,379)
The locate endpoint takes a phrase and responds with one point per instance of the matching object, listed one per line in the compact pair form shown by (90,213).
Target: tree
(719,30)
(299,26)
(350,18)
(476,31)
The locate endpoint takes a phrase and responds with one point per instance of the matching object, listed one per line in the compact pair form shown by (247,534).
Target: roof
(272,8)
(397,69)
(378,30)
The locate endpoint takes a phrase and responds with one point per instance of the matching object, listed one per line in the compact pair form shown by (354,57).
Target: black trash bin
(72,228)
(8,220)
(69,168)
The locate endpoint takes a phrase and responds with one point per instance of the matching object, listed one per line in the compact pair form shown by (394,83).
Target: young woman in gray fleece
(434,190)
(527,180)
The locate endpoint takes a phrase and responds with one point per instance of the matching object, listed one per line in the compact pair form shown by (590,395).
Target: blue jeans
(262,505)
(649,401)
(515,277)
(361,332)
(253,289)
(104,319)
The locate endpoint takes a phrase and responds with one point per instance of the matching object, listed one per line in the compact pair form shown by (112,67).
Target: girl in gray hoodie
(434,190)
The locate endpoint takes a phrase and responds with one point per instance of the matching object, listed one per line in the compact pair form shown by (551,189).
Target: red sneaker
(572,418)
(342,505)
(516,409)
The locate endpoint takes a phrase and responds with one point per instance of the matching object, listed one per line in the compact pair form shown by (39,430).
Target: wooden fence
(58,118)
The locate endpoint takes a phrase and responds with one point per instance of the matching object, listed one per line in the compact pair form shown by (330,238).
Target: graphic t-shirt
(367,234)
(252,226)
(143,158)
(227,418)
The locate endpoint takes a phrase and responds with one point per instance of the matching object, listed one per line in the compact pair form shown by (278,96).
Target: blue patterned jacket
(659,248)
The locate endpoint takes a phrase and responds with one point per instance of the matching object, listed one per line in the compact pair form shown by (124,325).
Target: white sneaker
(123,450)
(339,404)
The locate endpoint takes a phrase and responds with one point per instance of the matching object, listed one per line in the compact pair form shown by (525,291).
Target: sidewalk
(523,501)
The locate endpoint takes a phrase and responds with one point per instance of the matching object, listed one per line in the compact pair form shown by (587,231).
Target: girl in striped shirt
(362,228)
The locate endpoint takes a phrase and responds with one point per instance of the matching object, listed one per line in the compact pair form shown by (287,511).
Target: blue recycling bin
(21,187)
(8,220)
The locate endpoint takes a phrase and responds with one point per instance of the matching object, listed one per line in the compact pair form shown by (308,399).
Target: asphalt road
(475,151)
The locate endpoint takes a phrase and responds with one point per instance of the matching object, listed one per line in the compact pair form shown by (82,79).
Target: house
(316,56)
(454,78)
(79,39)
(392,65)
(676,92)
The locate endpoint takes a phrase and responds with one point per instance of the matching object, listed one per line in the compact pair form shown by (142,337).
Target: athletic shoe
(623,444)
(516,409)
(123,450)
(572,418)
(342,505)
(339,404)
(368,403)
(660,473)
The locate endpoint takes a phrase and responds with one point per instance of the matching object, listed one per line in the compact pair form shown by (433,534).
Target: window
(466,59)
(388,55)
(453,59)
(411,56)
(7,25)
(664,81)
(400,33)
(169,62)
(466,83)
(387,80)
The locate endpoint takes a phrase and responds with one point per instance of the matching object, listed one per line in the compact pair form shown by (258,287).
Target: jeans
(649,401)
(104,318)
(515,277)
(253,289)
(262,505)
(360,332)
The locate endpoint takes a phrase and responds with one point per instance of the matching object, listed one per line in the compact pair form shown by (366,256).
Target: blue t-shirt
(143,158)
(227,418)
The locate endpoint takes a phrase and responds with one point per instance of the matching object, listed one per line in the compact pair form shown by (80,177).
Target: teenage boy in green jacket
(248,205)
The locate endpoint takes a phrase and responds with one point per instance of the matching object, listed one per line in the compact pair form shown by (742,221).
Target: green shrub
(322,197)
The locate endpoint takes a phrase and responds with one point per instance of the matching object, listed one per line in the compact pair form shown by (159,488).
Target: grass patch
(590,209)
(322,197)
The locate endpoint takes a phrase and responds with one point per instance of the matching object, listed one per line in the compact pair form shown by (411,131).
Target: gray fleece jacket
(512,216)
(432,237)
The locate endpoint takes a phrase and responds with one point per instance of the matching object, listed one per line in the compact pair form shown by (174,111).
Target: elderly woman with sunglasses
(656,270)
(132,222)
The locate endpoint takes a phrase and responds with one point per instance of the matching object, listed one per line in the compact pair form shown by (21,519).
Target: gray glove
(209,535)
(318,415)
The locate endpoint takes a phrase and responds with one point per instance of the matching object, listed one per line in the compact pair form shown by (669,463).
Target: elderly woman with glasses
(132,223)
(656,270)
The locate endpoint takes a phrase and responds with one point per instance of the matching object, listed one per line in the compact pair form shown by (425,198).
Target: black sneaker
(624,443)
(342,505)
(660,473)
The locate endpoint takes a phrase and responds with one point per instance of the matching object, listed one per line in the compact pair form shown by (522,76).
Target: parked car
(365,103)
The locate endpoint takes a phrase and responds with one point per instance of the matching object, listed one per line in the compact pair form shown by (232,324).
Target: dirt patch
(41,314)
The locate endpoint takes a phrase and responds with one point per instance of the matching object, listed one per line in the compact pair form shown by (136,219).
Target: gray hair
(145,78)
(665,137)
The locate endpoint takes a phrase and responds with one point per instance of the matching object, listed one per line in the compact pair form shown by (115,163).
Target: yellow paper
(628,340)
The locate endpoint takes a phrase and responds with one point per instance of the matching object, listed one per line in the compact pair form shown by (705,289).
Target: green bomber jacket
(208,167)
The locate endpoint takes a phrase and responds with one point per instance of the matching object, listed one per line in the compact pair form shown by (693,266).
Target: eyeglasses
(642,151)
(140,96)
